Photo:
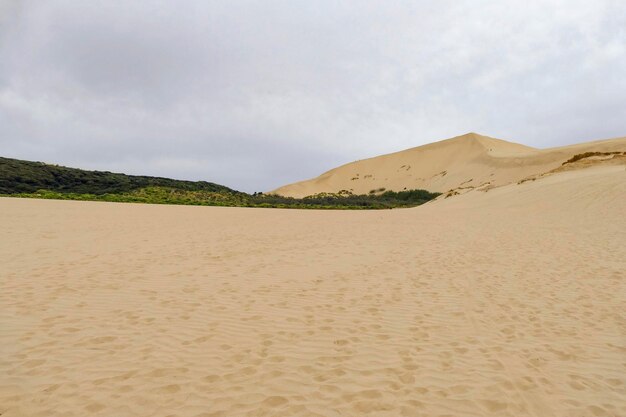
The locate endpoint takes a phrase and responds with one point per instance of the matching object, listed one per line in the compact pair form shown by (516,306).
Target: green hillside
(39,180)
(18,176)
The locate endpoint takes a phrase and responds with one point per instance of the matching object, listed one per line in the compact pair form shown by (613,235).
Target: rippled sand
(505,303)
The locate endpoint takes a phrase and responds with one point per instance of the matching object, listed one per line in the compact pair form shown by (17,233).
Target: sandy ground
(505,303)
(461,163)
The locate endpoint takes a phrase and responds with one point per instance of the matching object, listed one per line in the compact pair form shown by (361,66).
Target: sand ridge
(505,303)
(470,161)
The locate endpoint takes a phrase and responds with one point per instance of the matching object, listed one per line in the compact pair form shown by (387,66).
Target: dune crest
(466,162)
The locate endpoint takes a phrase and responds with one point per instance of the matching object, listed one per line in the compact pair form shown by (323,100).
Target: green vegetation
(38,180)
(346,200)
(18,176)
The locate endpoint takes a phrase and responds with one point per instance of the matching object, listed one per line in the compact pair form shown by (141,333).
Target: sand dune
(505,303)
(465,162)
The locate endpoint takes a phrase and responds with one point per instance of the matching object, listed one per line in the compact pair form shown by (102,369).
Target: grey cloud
(257,94)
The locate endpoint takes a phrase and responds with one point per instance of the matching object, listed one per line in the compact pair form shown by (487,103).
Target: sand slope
(505,303)
(468,162)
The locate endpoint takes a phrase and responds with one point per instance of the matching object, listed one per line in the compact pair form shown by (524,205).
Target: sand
(504,303)
(462,163)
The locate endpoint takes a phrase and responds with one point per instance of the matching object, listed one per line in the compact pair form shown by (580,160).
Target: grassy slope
(38,180)
(18,176)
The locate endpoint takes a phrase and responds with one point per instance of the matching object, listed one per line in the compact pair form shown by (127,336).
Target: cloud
(257,94)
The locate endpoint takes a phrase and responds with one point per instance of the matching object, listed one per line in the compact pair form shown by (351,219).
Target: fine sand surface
(462,163)
(504,303)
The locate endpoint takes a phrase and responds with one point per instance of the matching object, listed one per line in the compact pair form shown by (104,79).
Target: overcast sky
(256,94)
